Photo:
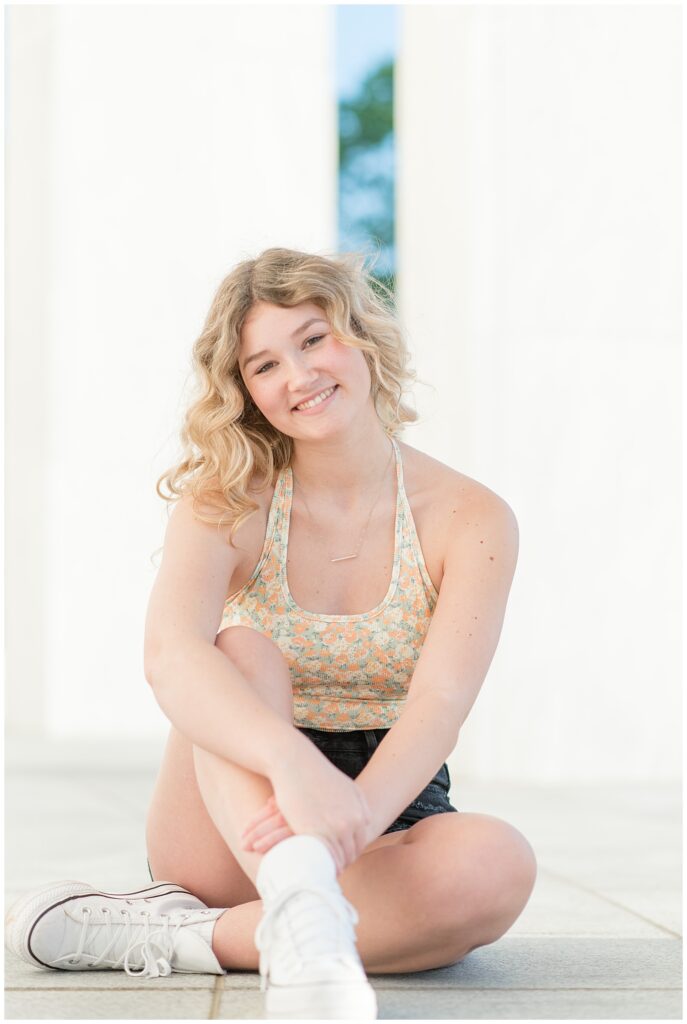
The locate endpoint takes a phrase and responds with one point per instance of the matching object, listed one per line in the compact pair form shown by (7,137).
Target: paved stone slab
(559,908)
(108,1004)
(241,1004)
(661,905)
(508,1004)
(20,975)
(553,963)
(570,955)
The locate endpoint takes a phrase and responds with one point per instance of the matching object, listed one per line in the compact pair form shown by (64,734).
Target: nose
(301,375)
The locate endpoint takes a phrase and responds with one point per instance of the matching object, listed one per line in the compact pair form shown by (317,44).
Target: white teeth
(316,400)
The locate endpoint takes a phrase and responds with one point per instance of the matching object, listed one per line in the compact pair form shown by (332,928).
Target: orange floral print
(348,671)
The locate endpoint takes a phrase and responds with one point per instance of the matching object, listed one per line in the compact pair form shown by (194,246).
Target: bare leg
(202,802)
(231,793)
(464,878)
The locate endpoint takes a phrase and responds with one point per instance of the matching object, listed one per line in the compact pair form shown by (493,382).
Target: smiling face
(289,355)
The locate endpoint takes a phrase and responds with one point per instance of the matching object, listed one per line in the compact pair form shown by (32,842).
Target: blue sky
(366,34)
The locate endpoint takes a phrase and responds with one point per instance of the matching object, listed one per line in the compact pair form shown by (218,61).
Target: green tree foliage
(366,178)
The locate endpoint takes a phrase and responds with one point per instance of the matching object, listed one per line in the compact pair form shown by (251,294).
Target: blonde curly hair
(226,440)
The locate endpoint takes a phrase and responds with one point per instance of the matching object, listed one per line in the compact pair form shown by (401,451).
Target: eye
(317,337)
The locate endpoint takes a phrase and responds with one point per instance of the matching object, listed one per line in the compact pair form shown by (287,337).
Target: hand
(313,797)
(265,829)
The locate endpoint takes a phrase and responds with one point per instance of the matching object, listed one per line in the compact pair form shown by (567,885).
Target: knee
(509,853)
(505,862)
(258,659)
(247,645)
(488,875)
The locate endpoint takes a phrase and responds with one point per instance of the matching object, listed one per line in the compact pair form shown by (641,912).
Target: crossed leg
(425,896)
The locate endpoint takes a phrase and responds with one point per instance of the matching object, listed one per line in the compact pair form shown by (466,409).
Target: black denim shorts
(350,752)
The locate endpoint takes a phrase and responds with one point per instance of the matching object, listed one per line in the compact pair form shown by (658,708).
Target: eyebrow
(266,351)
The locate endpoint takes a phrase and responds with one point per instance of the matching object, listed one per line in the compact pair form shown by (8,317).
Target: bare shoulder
(445,483)
(448,505)
(189,591)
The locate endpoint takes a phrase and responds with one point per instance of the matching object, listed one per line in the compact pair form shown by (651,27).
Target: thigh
(433,800)
(350,752)
(183,843)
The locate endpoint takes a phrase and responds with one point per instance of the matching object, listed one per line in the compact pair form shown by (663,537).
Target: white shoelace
(161,939)
(265,934)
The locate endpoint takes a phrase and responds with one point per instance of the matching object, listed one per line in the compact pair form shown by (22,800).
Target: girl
(327,607)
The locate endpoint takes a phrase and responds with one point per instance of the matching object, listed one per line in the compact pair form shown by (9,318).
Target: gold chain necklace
(344,558)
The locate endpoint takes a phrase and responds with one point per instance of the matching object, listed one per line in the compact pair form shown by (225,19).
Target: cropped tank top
(348,671)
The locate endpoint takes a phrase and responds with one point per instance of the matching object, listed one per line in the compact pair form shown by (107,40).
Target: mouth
(319,403)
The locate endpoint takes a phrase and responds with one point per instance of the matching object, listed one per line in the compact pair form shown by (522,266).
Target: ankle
(232,938)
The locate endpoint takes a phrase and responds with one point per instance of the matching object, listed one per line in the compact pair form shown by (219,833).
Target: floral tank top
(348,671)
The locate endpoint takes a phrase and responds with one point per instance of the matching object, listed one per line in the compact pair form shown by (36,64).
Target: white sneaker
(149,933)
(309,965)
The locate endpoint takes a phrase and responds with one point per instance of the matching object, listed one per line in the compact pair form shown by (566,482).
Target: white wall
(539,212)
(150,148)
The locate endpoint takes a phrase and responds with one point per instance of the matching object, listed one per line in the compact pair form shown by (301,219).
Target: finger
(265,823)
(349,848)
(267,842)
(268,807)
(338,855)
(359,841)
(255,821)
(264,828)
(266,811)
(333,847)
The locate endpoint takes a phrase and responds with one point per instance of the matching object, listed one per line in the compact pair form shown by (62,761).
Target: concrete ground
(599,939)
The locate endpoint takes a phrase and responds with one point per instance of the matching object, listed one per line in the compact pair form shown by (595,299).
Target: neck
(343,472)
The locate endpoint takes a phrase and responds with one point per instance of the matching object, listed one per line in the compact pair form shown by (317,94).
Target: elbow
(152,670)
(170,660)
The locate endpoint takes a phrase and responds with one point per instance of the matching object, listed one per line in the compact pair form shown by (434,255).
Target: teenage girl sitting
(327,607)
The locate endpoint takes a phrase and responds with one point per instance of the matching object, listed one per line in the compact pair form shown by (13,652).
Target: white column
(162,144)
(539,253)
(29,70)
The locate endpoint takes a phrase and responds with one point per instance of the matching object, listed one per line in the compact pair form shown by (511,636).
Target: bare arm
(454,660)
(198,688)
(461,640)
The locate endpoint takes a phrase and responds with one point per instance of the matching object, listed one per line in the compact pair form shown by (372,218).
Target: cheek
(363,372)
(263,399)
(352,362)
(258,395)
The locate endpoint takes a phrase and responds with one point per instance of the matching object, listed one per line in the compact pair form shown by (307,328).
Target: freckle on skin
(491,558)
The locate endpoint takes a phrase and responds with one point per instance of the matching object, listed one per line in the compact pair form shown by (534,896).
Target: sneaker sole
(322,1002)
(25,912)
